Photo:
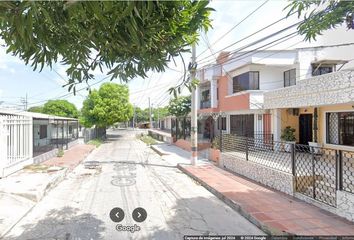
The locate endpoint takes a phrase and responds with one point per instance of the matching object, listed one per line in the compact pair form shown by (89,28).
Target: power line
(255,42)
(235,26)
(248,36)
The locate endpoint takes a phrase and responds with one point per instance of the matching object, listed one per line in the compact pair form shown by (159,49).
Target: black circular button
(139,214)
(116,214)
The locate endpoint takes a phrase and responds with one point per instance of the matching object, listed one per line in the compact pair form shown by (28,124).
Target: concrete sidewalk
(272,211)
(175,155)
(20,191)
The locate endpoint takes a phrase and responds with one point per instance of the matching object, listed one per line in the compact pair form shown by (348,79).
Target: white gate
(16,143)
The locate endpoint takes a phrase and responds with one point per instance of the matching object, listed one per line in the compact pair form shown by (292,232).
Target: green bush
(215,143)
(148,140)
(288,134)
(60,153)
(97,142)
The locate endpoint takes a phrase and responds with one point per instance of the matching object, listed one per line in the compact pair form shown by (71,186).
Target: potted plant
(214,152)
(288,135)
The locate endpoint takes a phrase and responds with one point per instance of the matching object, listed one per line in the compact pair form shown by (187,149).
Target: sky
(18,80)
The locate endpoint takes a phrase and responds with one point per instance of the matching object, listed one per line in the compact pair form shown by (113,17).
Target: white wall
(270,77)
(307,56)
(36,137)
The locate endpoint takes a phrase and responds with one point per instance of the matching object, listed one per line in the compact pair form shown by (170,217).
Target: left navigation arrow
(116,214)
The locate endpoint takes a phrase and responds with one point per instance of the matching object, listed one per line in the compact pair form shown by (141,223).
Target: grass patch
(147,140)
(60,153)
(36,167)
(97,142)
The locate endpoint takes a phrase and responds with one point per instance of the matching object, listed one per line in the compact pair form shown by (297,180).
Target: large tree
(321,15)
(106,106)
(61,108)
(180,106)
(129,38)
(37,109)
(160,113)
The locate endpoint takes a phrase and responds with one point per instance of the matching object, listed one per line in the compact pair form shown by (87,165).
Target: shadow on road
(65,223)
(202,216)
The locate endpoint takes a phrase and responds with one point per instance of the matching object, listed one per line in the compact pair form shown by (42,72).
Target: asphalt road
(129,175)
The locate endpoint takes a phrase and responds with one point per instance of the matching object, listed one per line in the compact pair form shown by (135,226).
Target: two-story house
(317,98)
(234,87)
(260,93)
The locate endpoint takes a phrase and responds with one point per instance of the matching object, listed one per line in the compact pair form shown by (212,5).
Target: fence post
(313,175)
(246,148)
(3,148)
(220,140)
(292,150)
(339,162)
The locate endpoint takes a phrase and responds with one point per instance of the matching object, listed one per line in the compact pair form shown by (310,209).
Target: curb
(158,151)
(52,184)
(234,205)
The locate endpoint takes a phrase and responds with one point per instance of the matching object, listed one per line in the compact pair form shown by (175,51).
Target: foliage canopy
(180,106)
(128,38)
(324,14)
(61,108)
(106,106)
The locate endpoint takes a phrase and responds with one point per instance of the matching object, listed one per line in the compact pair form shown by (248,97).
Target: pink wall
(240,102)
(186,145)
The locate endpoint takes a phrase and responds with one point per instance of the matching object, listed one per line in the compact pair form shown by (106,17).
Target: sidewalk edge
(50,186)
(234,205)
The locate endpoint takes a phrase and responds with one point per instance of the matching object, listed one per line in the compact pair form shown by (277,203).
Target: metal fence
(319,172)
(92,133)
(180,128)
(262,150)
(16,138)
(316,173)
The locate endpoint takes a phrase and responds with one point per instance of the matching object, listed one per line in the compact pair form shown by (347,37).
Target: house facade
(258,94)
(27,138)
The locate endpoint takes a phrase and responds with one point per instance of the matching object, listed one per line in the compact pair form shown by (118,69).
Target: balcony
(211,72)
(328,89)
(205,104)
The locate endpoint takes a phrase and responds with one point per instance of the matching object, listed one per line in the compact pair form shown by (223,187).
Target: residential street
(129,175)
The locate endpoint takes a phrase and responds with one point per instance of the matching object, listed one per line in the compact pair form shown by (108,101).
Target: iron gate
(315,173)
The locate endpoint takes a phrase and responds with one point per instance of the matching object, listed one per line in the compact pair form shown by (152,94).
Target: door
(305,128)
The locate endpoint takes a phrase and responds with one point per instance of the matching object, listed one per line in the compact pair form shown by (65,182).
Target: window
(206,95)
(290,77)
(340,128)
(42,131)
(217,93)
(223,123)
(320,70)
(246,81)
(242,125)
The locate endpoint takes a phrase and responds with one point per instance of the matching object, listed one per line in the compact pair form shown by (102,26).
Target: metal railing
(319,172)
(205,104)
(316,173)
(261,150)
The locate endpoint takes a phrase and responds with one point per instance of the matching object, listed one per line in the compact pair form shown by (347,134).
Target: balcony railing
(205,104)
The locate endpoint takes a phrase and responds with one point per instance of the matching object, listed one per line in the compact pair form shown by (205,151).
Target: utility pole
(194,106)
(150,114)
(158,118)
(134,116)
(25,102)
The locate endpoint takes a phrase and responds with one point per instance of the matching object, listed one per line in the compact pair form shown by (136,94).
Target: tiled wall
(270,177)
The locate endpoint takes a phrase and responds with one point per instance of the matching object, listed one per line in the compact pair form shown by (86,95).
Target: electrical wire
(235,26)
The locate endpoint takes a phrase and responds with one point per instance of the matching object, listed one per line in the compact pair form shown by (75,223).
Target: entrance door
(305,128)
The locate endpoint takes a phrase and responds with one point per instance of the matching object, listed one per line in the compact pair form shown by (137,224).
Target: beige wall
(293,121)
